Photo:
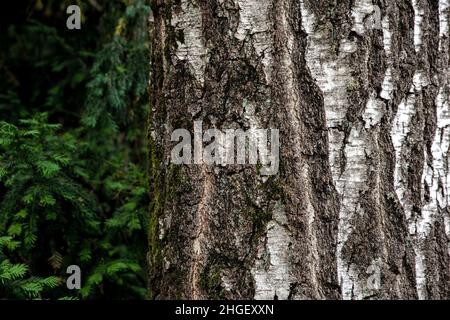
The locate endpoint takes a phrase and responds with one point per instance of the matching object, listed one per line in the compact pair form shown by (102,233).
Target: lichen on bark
(362,110)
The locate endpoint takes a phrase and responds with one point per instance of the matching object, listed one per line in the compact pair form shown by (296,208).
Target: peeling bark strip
(360,206)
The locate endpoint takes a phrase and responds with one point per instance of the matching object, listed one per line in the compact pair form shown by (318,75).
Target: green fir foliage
(73,171)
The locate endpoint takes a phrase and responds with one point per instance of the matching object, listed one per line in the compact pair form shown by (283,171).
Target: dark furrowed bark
(358,208)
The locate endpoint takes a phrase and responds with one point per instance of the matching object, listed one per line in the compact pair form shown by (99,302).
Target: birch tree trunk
(359,90)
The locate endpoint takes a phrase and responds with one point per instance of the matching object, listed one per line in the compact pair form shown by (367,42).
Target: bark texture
(363,190)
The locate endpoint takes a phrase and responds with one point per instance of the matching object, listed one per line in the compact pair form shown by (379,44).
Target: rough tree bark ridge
(363,112)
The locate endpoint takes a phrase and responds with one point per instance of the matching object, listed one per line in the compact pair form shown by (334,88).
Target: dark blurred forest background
(73,180)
